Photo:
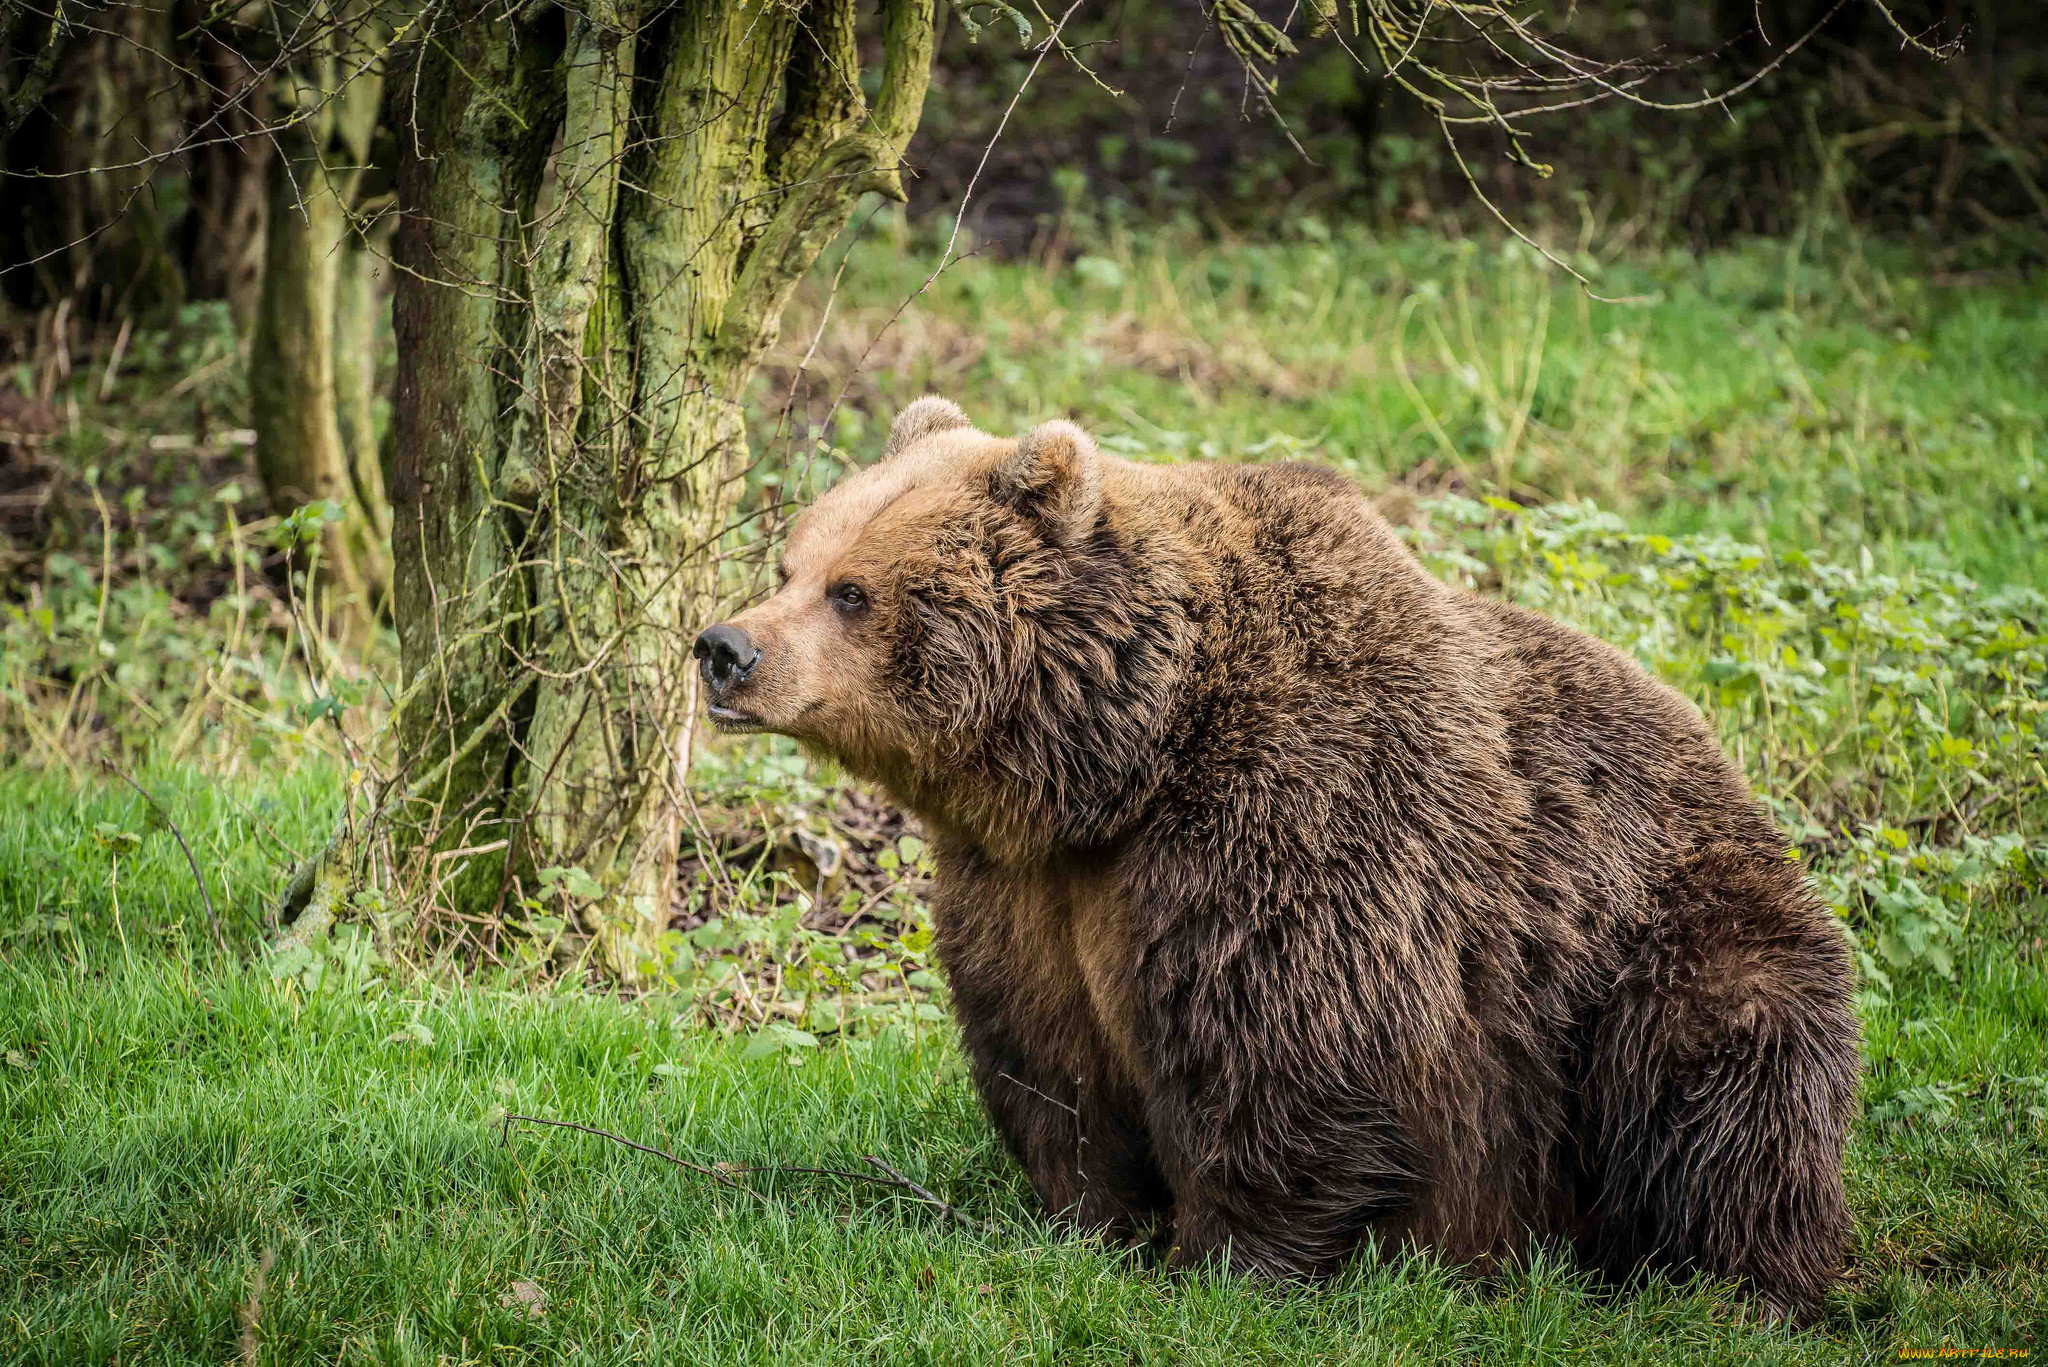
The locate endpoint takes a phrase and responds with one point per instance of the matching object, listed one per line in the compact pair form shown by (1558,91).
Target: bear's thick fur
(1289,896)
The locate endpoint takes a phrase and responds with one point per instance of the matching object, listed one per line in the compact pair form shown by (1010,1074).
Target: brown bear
(1290,897)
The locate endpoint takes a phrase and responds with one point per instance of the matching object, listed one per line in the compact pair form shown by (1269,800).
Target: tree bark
(224,234)
(358,303)
(312,359)
(588,281)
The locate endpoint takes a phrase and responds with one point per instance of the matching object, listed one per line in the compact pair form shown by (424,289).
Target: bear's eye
(781,576)
(849,597)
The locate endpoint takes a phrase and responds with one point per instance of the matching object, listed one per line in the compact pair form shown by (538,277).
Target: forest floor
(1823,490)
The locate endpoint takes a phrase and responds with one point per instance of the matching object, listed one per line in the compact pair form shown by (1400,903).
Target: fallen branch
(898,1179)
(895,1180)
(724,1179)
(722,1174)
(204,896)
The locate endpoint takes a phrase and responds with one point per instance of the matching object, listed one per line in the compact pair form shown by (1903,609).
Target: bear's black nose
(726,655)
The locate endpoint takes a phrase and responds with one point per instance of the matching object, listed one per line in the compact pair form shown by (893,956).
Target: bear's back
(1343,688)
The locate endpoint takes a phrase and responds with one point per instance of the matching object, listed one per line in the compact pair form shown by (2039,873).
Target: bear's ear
(1053,478)
(927,416)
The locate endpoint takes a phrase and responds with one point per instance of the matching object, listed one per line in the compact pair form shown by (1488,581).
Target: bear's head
(973,624)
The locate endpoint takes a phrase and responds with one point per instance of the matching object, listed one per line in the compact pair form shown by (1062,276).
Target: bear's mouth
(733,721)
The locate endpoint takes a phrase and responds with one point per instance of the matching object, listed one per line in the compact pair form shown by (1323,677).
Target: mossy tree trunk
(603,213)
(312,362)
(359,296)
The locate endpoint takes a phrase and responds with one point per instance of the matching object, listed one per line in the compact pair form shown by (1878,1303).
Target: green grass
(171,1116)
(1801,454)
(170,1122)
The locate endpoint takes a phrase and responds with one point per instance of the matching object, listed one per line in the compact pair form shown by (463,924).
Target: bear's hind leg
(1721,1085)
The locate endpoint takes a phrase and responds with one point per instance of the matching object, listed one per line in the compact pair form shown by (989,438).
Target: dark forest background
(1154,122)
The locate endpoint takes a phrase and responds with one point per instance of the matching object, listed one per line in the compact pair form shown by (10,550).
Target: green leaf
(292,960)
(413,1032)
(1726,670)
(113,839)
(574,881)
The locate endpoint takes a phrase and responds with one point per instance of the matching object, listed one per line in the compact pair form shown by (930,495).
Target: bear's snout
(726,655)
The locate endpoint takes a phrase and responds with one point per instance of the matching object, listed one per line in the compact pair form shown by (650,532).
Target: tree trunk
(603,214)
(312,363)
(358,301)
(86,105)
(224,233)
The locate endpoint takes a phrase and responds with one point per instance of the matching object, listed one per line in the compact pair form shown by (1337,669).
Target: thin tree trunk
(358,304)
(312,362)
(224,236)
(92,104)
(299,450)
(574,351)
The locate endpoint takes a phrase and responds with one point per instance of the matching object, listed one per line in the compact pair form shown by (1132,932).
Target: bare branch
(220,941)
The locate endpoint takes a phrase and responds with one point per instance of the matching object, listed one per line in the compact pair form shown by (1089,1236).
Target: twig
(967,196)
(197,877)
(1020,1082)
(900,1180)
(114,358)
(724,1179)
(200,375)
(894,1180)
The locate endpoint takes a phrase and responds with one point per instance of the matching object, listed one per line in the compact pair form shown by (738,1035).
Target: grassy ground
(172,1119)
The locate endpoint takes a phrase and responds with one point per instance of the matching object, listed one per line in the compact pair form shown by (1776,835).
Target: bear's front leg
(1080,1139)
(1278,1099)
(1306,1223)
